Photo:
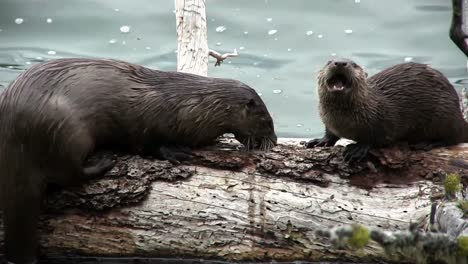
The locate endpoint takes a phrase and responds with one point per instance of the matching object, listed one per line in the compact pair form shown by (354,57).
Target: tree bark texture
(237,205)
(192,41)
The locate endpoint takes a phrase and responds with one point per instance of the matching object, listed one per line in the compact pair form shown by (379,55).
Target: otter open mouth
(338,82)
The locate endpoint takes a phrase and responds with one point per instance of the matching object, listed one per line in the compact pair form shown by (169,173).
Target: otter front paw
(100,168)
(174,154)
(355,152)
(320,142)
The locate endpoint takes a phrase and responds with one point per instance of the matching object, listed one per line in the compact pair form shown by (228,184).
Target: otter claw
(98,170)
(174,154)
(319,142)
(355,152)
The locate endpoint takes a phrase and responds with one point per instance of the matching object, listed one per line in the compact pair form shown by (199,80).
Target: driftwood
(221,57)
(192,42)
(237,205)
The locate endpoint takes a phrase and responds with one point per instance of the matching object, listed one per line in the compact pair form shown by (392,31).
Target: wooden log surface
(192,42)
(237,205)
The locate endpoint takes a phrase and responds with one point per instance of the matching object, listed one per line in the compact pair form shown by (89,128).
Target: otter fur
(56,114)
(408,102)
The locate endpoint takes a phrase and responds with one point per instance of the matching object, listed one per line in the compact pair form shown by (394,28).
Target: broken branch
(221,57)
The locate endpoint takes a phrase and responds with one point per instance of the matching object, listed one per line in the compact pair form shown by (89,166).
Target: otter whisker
(262,145)
(266,144)
(271,144)
(247,144)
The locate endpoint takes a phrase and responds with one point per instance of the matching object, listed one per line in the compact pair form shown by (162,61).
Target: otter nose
(341,63)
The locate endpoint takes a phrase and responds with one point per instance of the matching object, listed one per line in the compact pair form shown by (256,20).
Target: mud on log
(237,205)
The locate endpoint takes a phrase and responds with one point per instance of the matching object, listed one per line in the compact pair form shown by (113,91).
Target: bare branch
(220,58)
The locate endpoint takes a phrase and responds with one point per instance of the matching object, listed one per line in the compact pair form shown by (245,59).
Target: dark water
(281,66)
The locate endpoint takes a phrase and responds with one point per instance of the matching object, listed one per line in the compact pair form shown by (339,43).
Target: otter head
(251,122)
(341,77)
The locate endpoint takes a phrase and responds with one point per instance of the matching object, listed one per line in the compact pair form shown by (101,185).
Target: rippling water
(282,44)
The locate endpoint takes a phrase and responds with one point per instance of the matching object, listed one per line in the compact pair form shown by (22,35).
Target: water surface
(282,44)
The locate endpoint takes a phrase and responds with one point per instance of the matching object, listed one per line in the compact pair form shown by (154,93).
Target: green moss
(463,246)
(360,237)
(463,205)
(452,184)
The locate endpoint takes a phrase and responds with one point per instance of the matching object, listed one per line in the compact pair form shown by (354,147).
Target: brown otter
(57,113)
(409,102)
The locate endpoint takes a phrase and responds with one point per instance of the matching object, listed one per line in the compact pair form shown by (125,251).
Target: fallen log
(236,205)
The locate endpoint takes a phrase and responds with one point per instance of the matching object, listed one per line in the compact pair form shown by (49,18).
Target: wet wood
(237,205)
(192,41)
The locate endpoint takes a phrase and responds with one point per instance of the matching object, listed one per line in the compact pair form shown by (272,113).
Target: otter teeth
(338,88)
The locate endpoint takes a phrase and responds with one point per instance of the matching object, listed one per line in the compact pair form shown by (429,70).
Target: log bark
(236,205)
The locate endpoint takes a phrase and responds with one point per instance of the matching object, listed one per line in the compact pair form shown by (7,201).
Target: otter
(408,102)
(56,114)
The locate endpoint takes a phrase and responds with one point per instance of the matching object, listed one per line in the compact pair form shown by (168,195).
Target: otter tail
(21,216)
(21,194)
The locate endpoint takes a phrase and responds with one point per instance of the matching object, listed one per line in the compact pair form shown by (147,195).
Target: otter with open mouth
(409,102)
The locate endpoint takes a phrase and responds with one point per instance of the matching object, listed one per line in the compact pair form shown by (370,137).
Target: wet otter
(409,102)
(56,114)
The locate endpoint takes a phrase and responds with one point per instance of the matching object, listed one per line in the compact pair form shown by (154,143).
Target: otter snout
(340,63)
(338,75)
(262,142)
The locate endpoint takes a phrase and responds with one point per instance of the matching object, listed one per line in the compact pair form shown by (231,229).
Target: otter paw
(174,154)
(319,142)
(100,168)
(355,152)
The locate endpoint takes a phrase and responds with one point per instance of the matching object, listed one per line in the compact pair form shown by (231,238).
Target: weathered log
(237,205)
(192,42)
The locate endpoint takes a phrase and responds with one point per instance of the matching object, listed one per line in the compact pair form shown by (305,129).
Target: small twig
(458,33)
(220,58)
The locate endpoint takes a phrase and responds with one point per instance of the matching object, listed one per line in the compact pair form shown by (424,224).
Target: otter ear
(251,103)
(367,75)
